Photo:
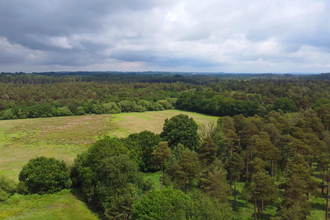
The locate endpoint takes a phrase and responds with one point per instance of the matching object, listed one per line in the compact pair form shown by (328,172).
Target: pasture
(65,137)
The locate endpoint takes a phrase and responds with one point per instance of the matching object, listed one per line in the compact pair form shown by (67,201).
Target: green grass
(61,205)
(65,137)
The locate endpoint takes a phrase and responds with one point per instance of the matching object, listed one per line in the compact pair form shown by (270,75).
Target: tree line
(33,96)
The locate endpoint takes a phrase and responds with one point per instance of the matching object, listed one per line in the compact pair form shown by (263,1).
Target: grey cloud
(202,35)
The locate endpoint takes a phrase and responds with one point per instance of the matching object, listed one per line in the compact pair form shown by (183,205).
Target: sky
(239,36)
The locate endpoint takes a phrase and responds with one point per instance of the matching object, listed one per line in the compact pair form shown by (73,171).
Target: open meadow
(65,137)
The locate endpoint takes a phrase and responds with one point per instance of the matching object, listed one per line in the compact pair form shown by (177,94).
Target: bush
(111,108)
(162,204)
(7,188)
(45,175)
(174,204)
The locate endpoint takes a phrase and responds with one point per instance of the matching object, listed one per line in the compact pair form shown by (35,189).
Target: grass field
(65,137)
(61,205)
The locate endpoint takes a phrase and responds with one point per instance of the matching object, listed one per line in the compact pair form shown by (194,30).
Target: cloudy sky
(252,36)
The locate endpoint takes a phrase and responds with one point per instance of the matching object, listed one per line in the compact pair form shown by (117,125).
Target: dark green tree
(143,144)
(263,189)
(213,181)
(186,169)
(236,166)
(162,204)
(45,175)
(161,155)
(207,152)
(181,129)
(119,184)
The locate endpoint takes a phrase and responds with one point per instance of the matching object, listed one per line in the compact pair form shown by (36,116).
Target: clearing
(65,137)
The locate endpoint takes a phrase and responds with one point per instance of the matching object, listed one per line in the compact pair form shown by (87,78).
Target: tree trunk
(255,209)
(258,209)
(247,166)
(307,195)
(230,179)
(185,188)
(323,182)
(327,208)
(272,169)
(161,182)
(234,197)
(262,205)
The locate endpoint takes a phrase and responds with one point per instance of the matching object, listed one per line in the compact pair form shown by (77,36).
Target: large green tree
(181,129)
(263,190)
(236,166)
(45,175)
(213,181)
(186,169)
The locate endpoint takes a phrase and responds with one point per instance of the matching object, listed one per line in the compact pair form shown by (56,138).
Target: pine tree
(161,155)
(236,166)
(213,181)
(207,151)
(263,189)
(187,168)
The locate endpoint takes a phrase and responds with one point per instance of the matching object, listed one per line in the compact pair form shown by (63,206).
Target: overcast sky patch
(204,36)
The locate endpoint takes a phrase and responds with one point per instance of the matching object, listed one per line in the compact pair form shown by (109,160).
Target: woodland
(270,145)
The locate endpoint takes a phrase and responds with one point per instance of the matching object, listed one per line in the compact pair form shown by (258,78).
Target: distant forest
(53,94)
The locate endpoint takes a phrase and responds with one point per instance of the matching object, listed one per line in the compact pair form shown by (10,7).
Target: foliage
(181,129)
(173,204)
(207,152)
(186,170)
(119,185)
(45,175)
(161,155)
(142,145)
(213,181)
(161,204)
(7,188)
(85,165)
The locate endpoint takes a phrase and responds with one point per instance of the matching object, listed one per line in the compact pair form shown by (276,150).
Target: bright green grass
(61,205)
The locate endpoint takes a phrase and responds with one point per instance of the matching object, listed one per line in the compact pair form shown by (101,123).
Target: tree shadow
(77,192)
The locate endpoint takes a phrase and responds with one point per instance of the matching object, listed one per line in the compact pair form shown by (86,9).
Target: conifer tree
(161,155)
(213,181)
(263,190)
(236,166)
(186,169)
(207,151)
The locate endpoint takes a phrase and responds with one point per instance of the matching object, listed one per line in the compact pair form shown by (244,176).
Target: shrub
(7,188)
(174,204)
(45,175)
